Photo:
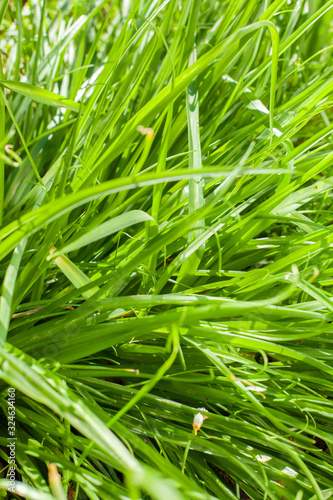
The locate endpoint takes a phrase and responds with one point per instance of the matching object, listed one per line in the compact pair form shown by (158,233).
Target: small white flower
(198,421)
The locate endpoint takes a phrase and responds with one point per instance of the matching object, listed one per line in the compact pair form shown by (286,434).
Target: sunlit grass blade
(165,249)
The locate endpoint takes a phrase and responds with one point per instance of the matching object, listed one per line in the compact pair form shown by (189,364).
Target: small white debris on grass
(290,472)
(146,131)
(256,388)
(263,458)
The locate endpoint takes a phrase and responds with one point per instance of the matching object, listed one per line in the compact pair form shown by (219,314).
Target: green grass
(166,248)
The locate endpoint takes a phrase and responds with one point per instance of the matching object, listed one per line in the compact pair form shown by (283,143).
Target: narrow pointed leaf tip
(40,95)
(106,229)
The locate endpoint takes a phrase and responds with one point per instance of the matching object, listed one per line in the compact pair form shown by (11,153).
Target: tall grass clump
(166,174)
